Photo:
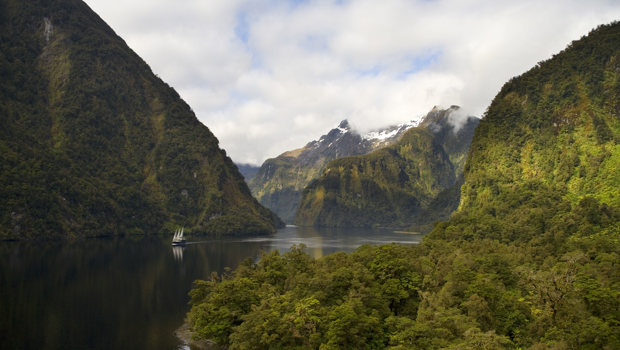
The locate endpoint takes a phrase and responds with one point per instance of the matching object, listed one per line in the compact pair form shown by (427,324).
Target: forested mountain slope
(93,143)
(279,181)
(531,259)
(247,170)
(547,147)
(411,183)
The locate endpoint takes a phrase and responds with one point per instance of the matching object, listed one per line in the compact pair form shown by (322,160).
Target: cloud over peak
(267,76)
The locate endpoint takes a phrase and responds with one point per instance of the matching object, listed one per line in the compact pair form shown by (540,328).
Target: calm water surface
(130,293)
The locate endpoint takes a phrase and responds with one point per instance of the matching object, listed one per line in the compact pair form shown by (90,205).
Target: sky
(268,76)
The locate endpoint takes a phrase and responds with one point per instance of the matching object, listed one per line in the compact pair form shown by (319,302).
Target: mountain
(547,151)
(93,143)
(279,181)
(412,182)
(247,170)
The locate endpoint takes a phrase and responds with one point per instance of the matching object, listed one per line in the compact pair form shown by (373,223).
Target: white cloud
(458,118)
(269,76)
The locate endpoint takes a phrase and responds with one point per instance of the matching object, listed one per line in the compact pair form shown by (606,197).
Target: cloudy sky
(267,76)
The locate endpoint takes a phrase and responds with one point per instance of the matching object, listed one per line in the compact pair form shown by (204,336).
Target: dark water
(129,293)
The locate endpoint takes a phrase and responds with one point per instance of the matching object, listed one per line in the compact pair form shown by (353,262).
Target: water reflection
(323,241)
(129,293)
(177,251)
(102,293)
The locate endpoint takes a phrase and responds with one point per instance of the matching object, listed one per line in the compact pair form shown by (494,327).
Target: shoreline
(184,333)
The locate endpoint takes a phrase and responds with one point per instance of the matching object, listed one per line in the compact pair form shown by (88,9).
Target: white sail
(178,236)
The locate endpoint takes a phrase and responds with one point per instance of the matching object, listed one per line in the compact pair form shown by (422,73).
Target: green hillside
(547,147)
(93,143)
(411,183)
(529,261)
(279,181)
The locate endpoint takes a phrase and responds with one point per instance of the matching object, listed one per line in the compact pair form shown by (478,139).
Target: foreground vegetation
(531,259)
(441,294)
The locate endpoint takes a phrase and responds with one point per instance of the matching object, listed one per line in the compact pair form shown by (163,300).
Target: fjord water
(130,293)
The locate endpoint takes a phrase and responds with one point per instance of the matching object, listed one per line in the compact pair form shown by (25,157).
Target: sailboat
(178,239)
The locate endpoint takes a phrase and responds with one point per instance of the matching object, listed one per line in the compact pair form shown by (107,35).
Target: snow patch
(388,133)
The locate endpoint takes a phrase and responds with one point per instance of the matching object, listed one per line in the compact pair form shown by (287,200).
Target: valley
(449,231)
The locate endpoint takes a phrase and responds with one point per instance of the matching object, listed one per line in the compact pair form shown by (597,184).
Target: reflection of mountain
(111,294)
(327,240)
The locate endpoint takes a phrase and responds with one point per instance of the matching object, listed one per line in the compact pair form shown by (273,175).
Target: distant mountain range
(247,170)
(408,184)
(279,181)
(92,143)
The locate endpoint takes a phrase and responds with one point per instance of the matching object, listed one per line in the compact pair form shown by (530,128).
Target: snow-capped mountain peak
(344,126)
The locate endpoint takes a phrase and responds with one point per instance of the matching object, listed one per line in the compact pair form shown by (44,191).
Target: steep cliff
(547,149)
(93,143)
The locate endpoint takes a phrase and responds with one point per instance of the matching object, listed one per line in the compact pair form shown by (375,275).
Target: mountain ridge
(406,185)
(553,134)
(93,143)
(280,180)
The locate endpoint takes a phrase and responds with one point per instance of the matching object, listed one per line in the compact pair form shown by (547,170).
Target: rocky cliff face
(279,181)
(410,183)
(93,143)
